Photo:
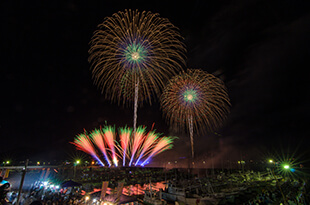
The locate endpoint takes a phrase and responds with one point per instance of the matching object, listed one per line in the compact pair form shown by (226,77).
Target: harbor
(157,186)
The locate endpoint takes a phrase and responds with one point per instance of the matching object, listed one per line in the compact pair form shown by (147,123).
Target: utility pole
(279,186)
(22,181)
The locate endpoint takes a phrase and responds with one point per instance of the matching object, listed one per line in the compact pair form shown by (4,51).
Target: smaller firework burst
(195,96)
(195,100)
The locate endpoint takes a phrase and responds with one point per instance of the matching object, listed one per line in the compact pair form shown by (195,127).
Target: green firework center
(135,53)
(190,96)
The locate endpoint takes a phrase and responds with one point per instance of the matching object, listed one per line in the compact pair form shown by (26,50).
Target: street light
(75,164)
(286,167)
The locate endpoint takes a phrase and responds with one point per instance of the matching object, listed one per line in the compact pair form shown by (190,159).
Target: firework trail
(191,134)
(137,140)
(195,100)
(124,136)
(147,145)
(132,55)
(163,144)
(83,143)
(135,108)
(97,138)
(109,136)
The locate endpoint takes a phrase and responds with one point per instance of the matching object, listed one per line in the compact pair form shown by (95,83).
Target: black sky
(259,48)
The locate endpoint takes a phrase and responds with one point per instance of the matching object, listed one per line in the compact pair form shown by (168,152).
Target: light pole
(22,181)
(286,167)
(75,164)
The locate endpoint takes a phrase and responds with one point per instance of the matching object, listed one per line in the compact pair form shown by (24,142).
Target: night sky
(259,48)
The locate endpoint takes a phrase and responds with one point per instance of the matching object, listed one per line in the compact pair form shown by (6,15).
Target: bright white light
(190,97)
(135,55)
(86,198)
(57,187)
(115,161)
(45,183)
(94,200)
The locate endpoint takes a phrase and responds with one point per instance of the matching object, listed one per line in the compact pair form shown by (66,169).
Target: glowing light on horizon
(290,162)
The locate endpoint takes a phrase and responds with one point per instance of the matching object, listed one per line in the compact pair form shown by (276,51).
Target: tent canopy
(70,183)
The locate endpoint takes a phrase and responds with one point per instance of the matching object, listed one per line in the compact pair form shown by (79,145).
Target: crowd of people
(47,194)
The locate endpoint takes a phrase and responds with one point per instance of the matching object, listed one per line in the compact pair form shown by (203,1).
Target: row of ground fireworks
(134,56)
(135,148)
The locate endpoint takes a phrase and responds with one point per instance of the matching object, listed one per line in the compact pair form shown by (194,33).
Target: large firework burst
(132,55)
(135,46)
(138,147)
(195,100)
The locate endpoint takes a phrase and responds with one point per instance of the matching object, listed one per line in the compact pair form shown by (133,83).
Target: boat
(153,198)
(190,195)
